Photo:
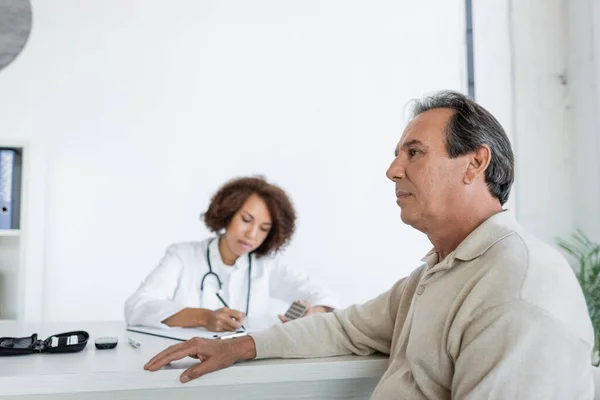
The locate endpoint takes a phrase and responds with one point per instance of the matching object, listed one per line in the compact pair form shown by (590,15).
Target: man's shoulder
(533,264)
(549,283)
(523,268)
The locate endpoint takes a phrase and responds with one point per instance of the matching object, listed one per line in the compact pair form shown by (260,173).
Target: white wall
(143,108)
(544,159)
(584,104)
(526,76)
(539,67)
(493,67)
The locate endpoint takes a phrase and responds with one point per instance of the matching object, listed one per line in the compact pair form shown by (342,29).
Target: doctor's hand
(213,354)
(224,319)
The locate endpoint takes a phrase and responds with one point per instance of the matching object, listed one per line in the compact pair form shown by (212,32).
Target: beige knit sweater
(502,317)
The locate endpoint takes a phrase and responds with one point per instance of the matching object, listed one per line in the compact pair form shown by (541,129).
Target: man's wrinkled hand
(213,354)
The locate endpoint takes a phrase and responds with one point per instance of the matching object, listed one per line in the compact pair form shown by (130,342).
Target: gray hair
(468,129)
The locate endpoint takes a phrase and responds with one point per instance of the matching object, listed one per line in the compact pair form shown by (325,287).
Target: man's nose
(396,169)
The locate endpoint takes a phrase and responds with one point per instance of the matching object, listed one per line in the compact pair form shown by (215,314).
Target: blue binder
(7,175)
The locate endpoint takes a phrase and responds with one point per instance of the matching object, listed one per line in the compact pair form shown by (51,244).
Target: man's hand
(224,319)
(213,354)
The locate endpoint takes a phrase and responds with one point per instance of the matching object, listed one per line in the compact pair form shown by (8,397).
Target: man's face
(429,184)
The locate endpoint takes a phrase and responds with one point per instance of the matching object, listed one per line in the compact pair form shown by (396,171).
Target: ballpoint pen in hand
(225,304)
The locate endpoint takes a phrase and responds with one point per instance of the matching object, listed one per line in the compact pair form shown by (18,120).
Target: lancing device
(134,343)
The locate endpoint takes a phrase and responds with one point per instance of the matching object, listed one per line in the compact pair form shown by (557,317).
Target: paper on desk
(180,334)
(257,323)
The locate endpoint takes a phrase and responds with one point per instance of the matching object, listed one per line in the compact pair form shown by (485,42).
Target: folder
(7,175)
(183,334)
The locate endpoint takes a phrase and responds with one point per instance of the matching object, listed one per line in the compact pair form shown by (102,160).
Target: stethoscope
(210,272)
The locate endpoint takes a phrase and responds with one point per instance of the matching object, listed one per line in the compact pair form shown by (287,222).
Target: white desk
(118,373)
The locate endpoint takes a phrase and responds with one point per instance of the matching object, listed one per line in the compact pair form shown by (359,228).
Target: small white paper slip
(73,339)
(54,341)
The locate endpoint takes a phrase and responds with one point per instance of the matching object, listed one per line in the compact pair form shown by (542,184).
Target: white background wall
(542,125)
(138,110)
(584,105)
(537,69)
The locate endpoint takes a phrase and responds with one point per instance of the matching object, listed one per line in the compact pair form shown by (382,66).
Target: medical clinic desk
(119,374)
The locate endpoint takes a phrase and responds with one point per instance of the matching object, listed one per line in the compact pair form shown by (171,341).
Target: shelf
(10,232)
(12,241)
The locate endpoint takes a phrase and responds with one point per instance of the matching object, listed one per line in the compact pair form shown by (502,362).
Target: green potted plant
(587,255)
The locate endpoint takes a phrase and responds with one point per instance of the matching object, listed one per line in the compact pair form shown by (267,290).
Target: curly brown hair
(233,194)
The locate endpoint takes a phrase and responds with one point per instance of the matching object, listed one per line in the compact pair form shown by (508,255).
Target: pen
(225,304)
(232,335)
(134,343)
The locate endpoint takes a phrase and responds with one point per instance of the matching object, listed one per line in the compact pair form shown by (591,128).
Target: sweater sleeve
(359,329)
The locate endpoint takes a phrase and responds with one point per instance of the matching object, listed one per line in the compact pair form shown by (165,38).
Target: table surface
(119,369)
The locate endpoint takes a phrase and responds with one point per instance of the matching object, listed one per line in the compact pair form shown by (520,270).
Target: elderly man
(493,313)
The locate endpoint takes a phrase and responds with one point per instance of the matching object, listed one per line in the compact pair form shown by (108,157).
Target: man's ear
(479,160)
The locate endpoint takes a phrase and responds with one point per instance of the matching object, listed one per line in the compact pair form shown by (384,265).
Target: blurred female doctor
(219,281)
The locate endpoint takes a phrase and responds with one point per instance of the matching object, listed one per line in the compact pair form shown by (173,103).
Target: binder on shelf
(9,188)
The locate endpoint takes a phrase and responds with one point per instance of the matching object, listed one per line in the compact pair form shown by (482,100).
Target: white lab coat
(175,284)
